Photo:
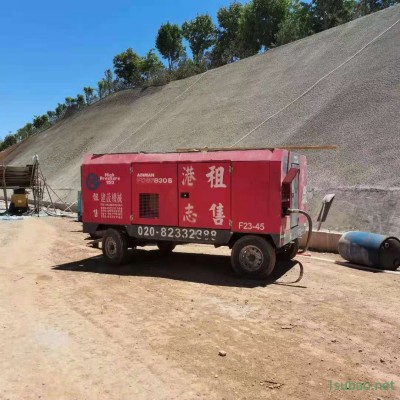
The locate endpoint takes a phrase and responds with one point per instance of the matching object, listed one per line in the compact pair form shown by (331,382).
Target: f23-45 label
(249,226)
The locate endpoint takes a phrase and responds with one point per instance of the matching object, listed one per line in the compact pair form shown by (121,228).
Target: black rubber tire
(11,209)
(248,247)
(166,247)
(289,252)
(115,247)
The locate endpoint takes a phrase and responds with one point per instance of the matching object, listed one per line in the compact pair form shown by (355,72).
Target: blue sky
(51,49)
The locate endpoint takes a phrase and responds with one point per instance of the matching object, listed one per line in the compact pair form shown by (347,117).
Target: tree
(60,109)
(151,65)
(89,91)
(260,24)
(8,141)
(102,87)
(201,34)
(127,66)
(365,7)
(25,132)
(52,116)
(70,101)
(330,13)
(80,100)
(297,25)
(40,122)
(186,68)
(169,43)
(108,77)
(228,47)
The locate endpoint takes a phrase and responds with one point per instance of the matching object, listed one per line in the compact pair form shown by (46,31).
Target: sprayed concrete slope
(357,108)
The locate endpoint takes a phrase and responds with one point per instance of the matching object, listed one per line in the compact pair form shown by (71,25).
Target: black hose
(294,210)
(301,273)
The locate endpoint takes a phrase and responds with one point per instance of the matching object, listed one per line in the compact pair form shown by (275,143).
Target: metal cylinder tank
(370,249)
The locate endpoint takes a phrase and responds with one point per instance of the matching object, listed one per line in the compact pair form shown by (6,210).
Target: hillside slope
(357,108)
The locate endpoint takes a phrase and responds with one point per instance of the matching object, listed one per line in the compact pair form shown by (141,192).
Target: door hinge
(230,169)
(230,223)
(130,170)
(131,218)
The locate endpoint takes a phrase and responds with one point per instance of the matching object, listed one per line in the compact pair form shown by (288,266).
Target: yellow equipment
(19,202)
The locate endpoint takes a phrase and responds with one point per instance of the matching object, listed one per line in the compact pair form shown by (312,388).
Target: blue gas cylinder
(370,249)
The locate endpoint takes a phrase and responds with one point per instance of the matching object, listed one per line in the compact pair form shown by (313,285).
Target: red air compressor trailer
(248,200)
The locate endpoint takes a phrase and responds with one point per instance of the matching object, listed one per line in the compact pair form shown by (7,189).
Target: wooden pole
(4,186)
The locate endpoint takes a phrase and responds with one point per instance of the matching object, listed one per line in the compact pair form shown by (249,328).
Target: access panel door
(204,195)
(106,194)
(154,194)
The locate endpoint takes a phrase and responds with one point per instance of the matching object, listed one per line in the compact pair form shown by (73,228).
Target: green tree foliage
(151,65)
(201,34)
(365,7)
(80,100)
(108,77)
(169,43)
(260,23)
(127,66)
(25,132)
(70,101)
(8,141)
(229,46)
(297,25)
(102,88)
(60,109)
(330,13)
(41,121)
(89,94)
(187,67)
(52,116)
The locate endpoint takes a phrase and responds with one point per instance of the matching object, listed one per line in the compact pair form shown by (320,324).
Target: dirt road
(73,328)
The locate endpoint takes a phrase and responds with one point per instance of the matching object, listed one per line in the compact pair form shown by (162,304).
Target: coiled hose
(295,210)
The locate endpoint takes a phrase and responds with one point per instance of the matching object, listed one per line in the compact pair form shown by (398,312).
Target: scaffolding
(28,177)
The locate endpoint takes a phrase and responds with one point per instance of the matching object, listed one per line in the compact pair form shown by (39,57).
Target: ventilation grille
(148,205)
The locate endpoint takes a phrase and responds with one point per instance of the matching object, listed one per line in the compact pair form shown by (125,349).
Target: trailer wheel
(253,257)
(166,247)
(115,246)
(289,251)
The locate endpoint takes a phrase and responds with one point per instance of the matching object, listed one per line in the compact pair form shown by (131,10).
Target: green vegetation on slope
(242,31)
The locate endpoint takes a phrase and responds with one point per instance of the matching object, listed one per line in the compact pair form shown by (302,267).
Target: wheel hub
(111,247)
(251,258)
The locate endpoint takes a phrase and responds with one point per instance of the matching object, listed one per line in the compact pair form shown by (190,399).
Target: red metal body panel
(106,193)
(250,199)
(205,195)
(159,179)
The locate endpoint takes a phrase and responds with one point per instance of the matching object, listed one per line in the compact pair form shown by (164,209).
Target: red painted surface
(106,193)
(205,195)
(251,204)
(155,178)
(236,190)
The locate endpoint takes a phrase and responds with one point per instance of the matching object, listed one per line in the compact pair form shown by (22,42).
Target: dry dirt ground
(73,328)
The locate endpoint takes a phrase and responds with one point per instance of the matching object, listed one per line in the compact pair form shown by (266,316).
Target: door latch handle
(184,195)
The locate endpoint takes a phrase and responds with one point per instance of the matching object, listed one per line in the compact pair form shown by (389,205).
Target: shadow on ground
(199,268)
